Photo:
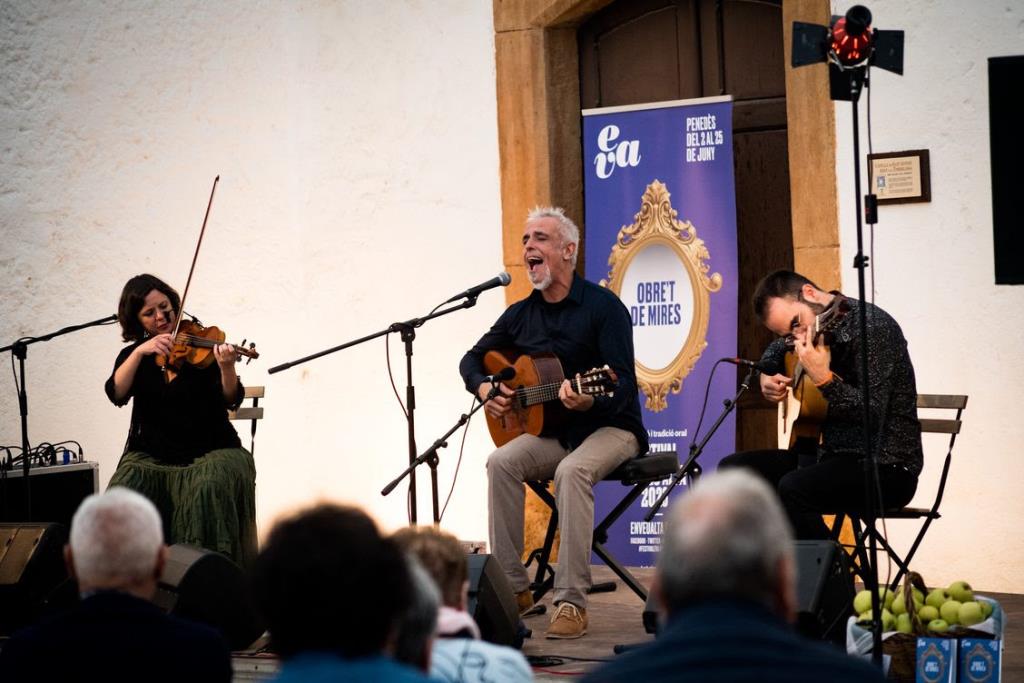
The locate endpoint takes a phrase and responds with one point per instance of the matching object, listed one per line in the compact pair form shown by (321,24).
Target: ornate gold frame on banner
(656,224)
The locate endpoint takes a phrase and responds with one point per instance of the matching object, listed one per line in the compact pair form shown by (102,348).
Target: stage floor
(615,618)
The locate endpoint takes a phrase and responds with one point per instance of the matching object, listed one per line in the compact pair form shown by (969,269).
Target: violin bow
(192,268)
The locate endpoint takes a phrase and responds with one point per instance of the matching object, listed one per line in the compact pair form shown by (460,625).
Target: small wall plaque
(900,177)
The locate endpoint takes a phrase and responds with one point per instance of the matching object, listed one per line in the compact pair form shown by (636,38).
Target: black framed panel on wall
(1006,130)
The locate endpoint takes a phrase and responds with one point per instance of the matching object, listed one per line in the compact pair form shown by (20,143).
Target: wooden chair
(946,425)
(252,413)
(638,474)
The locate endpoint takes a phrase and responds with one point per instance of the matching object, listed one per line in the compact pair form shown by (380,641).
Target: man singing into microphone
(828,477)
(585,326)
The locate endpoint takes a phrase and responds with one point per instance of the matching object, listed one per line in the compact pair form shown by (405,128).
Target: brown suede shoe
(524,600)
(568,621)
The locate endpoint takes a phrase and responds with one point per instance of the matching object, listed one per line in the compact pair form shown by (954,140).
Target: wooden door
(636,51)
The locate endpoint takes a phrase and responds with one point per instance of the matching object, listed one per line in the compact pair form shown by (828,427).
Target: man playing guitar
(584,326)
(826,475)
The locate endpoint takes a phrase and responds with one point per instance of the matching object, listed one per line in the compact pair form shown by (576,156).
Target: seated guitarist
(829,477)
(585,326)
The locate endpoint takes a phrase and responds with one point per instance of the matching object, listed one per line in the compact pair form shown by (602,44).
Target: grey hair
(570,233)
(418,624)
(726,537)
(115,538)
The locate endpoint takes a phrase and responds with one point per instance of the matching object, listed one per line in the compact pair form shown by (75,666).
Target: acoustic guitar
(804,409)
(535,407)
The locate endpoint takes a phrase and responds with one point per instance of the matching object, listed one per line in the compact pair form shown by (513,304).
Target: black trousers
(809,489)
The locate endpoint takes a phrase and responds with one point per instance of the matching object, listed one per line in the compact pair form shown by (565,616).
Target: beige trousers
(532,458)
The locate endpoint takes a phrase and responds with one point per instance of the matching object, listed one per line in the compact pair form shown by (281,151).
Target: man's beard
(544,282)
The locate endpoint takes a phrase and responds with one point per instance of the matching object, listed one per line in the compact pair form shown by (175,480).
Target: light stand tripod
(850,47)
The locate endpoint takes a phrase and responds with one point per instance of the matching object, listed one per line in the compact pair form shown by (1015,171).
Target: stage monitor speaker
(491,601)
(207,587)
(31,568)
(824,590)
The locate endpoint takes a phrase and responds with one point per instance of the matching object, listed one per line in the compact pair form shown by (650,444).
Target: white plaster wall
(933,270)
(357,147)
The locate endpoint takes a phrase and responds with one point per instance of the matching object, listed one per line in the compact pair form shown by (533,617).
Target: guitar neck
(538,393)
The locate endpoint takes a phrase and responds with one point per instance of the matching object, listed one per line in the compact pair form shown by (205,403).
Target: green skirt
(210,503)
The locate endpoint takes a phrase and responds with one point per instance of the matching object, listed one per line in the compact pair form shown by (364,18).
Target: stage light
(852,36)
(849,46)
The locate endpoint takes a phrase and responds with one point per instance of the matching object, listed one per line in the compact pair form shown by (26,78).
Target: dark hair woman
(182,452)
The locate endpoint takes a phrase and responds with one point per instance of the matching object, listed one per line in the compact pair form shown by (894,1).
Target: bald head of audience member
(117,543)
(727,537)
(327,581)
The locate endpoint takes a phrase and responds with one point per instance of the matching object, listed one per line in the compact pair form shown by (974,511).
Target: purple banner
(661,232)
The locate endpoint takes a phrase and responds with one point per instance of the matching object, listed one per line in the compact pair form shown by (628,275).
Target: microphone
(501,375)
(501,280)
(744,363)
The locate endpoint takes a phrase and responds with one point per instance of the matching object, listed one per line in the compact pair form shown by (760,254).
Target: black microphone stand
(691,468)
(407,329)
(429,456)
(20,351)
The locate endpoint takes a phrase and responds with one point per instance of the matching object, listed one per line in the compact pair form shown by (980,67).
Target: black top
(734,641)
(112,636)
(891,384)
(179,421)
(588,328)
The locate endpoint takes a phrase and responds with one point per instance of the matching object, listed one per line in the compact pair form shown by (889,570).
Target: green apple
(928,613)
(986,608)
(862,602)
(898,605)
(938,626)
(971,614)
(918,596)
(886,597)
(888,621)
(903,623)
(961,591)
(950,611)
(937,597)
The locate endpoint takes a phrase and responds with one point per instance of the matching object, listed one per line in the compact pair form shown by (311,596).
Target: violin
(193,345)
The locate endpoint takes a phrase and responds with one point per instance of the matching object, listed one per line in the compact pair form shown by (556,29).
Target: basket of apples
(914,610)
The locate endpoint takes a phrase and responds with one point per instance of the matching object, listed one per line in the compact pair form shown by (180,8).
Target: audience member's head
(418,624)
(443,557)
(728,537)
(117,543)
(327,581)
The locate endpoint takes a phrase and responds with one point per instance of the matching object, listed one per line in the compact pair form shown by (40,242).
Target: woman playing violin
(182,451)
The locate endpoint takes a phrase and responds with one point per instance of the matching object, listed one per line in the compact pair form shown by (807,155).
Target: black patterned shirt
(892,388)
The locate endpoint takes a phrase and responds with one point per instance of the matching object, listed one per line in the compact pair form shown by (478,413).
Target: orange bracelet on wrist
(827,380)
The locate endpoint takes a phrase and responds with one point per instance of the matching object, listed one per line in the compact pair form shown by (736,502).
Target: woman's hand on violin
(161,344)
(226,355)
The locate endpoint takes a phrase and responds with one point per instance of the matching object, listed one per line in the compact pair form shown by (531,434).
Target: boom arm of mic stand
(402,327)
(431,453)
(696,449)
